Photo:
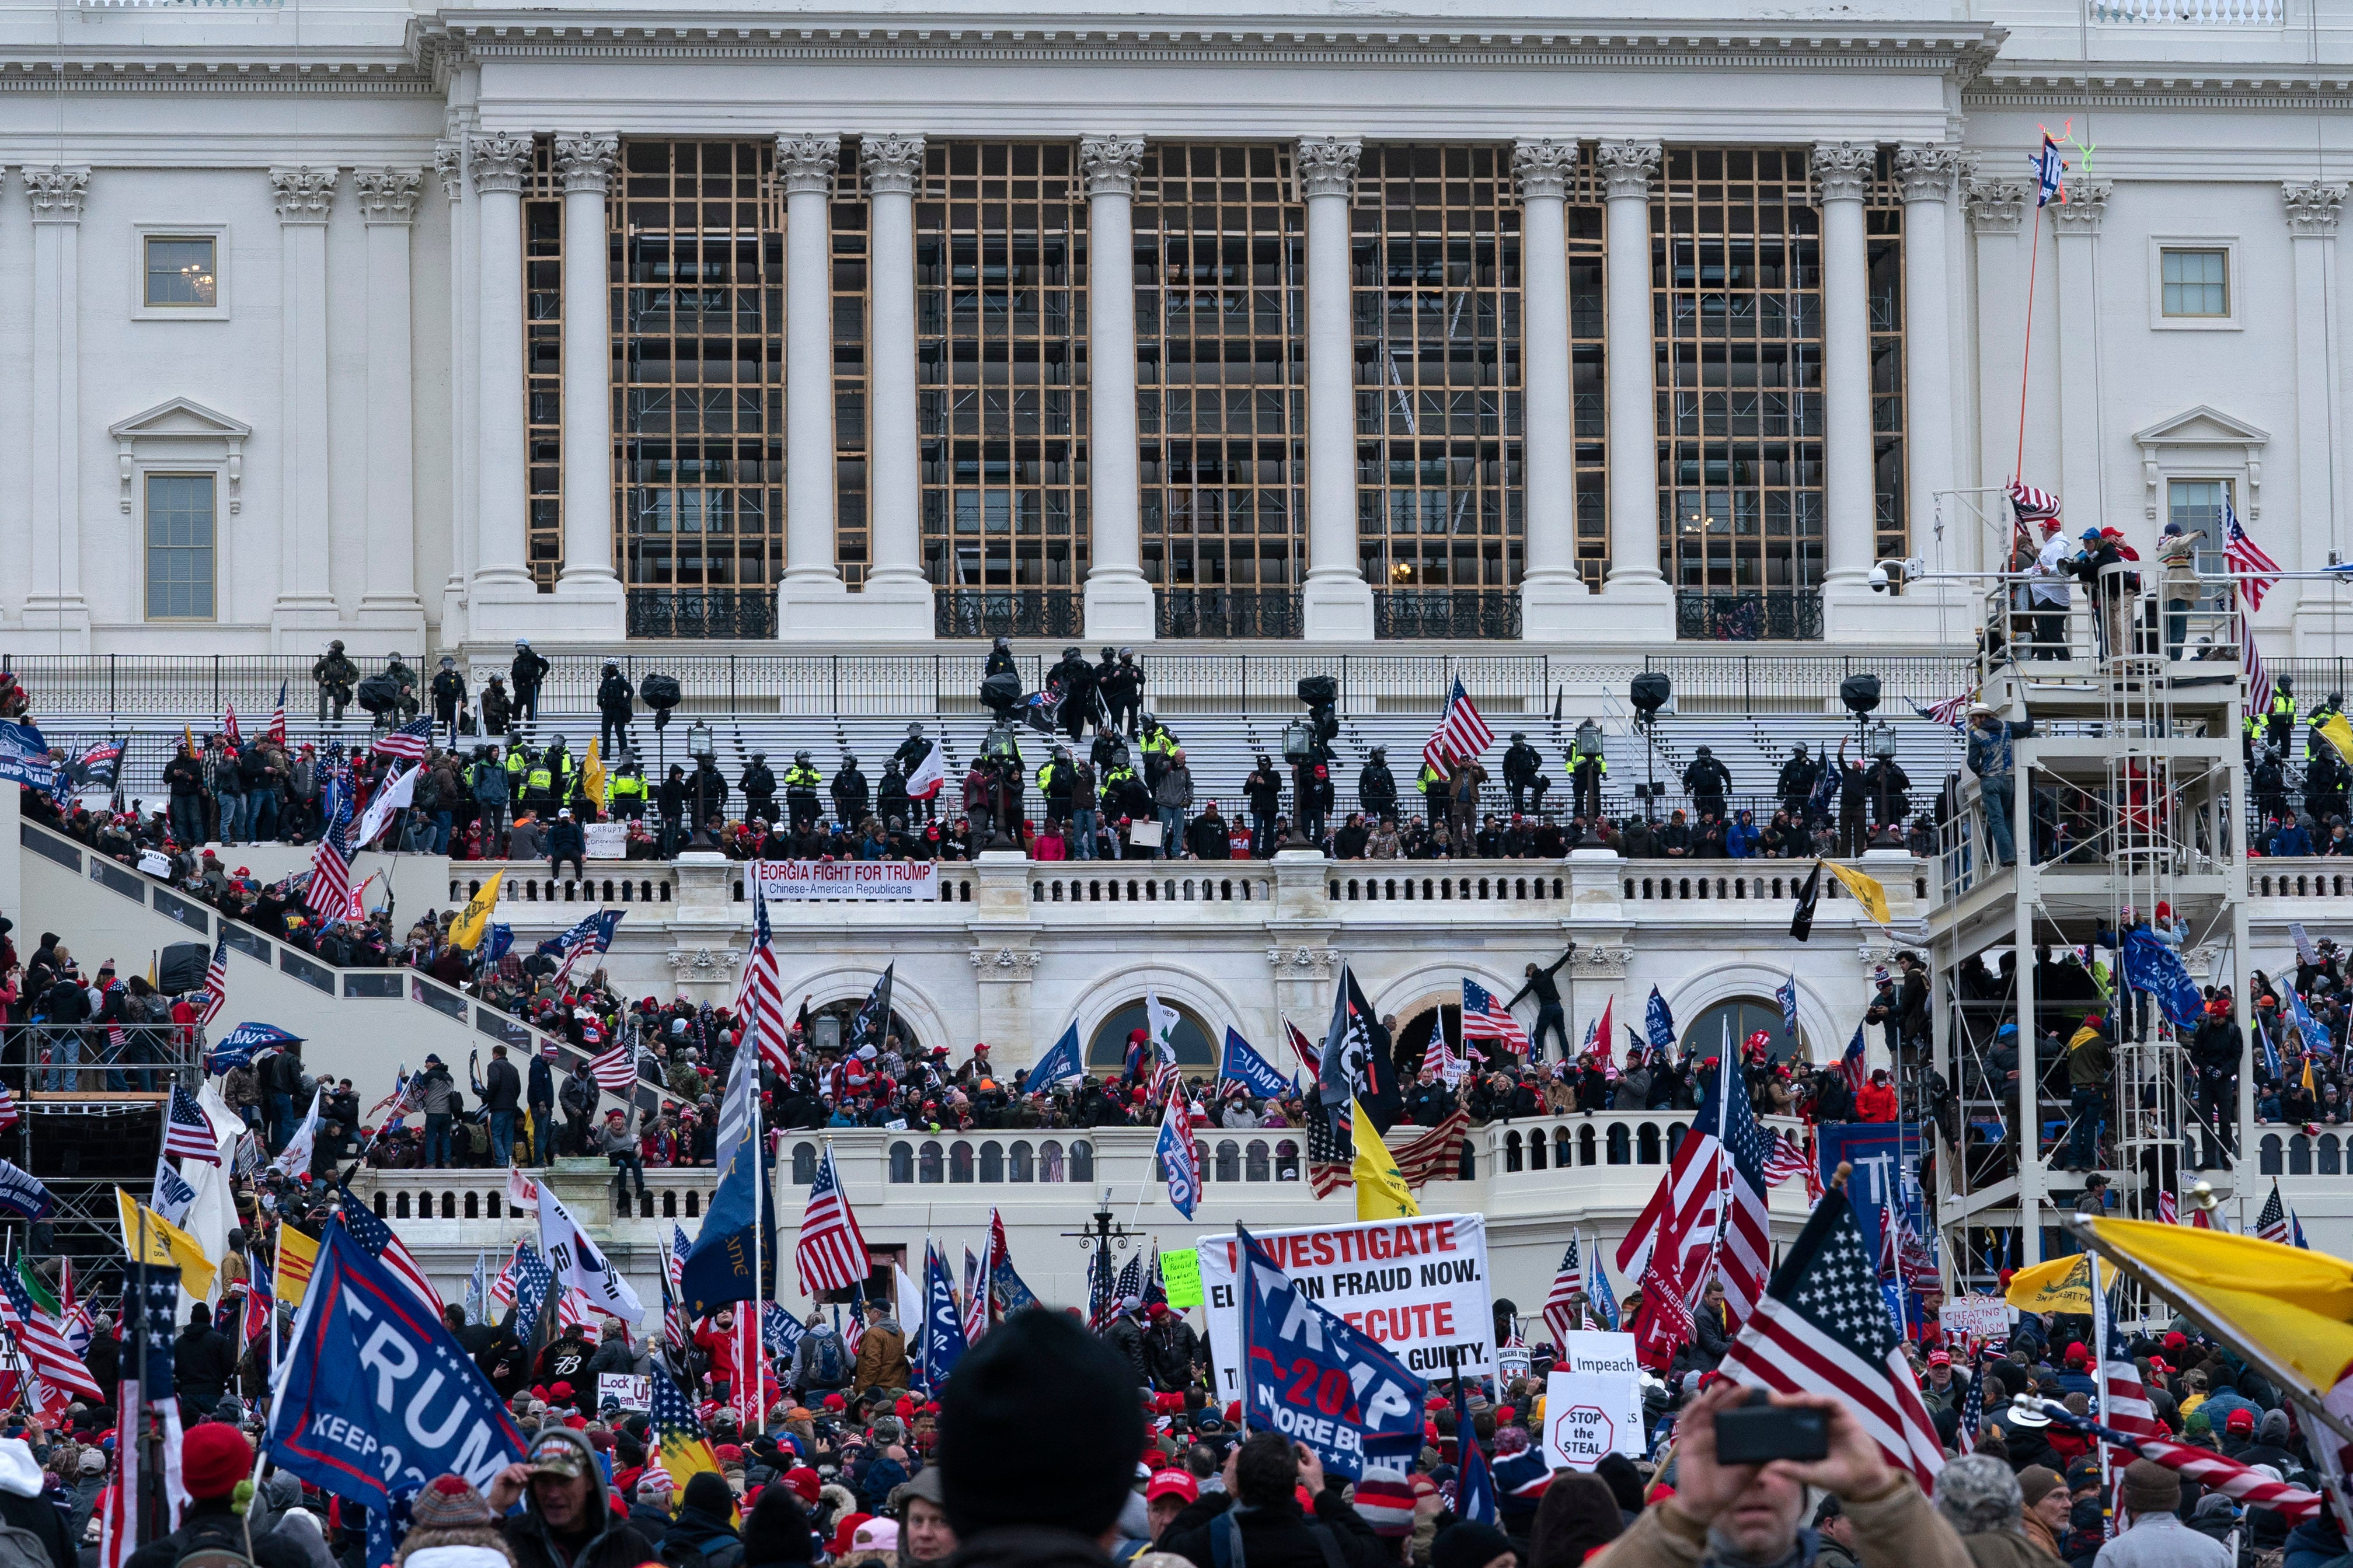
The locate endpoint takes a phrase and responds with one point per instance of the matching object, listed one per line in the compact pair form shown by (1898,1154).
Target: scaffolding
(2129,793)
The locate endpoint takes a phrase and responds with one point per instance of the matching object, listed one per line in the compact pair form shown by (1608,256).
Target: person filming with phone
(1727,1515)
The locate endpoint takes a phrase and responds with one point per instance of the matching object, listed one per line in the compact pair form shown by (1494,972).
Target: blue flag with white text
(2152,966)
(1058,1065)
(719,1270)
(1241,1064)
(1316,1380)
(1659,1024)
(942,1320)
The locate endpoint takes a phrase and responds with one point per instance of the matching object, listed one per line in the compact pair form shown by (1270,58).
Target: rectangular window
(181,273)
(2196,282)
(2198,506)
(179,547)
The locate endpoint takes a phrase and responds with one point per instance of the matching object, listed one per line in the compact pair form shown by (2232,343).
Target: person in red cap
(213,1458)
(1946,1386)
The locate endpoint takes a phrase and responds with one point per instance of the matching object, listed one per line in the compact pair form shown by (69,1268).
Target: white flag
(1160,1023)
(173,1194)
(929,776)
(295,1160)
(392,797)
(578,1265)
(742,1099)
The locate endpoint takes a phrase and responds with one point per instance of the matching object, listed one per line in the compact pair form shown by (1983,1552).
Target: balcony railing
(1223,612)
(1007,613)
(1756,616)
(2192,13)
(1490,615)
(702,612)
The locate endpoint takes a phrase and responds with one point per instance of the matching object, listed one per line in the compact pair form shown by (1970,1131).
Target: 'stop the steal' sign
(1417,1286)
(848,881)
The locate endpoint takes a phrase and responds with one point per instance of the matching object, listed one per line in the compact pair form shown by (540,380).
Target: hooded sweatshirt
(609,1542)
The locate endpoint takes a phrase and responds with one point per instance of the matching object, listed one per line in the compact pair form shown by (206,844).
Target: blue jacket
(1990,752)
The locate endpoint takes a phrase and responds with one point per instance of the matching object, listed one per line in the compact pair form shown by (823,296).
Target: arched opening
(1618,1145)
(1646,1144)
(1107,1050)
(804,1164)
(829,1026)
(1050,1161)
(1254,1160)
(960,1161)
(992,1161)
(1025,1161)
(1589,1145)
(931,1163)
(1286,1160)
(1745,1015)
(1512,1154)
(1082,1161)
(1538,1145)
(903,1163)
(1229,1160)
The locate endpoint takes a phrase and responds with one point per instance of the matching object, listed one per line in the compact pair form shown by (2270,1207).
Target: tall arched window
(1050,1161)
(1254,1163)
(960,1160)
(1108,1048)
(903,1163)
(930,1161)
(1229,1160)
(1025,1164)
(1746,1015)
(804,1164)
(992,1161)
(1082,1161)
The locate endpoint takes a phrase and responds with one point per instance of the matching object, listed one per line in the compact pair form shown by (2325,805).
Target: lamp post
(1299,750)
(698,742)
(1105,1238)
(1883,749)
(999,751)
(1587,748)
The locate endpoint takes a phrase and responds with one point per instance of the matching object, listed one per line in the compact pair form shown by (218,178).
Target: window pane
(179,546)
(2197,505)
(2196,282)
(180,272)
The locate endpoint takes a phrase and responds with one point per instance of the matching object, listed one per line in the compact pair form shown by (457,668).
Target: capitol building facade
(438,327)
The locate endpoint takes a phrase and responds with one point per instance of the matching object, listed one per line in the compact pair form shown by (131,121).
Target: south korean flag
(577,1264)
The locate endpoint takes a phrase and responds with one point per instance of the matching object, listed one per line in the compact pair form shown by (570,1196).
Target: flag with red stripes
(228,726)
(2259,679)
(2245,559)
(1708,1213)
(216,982)
(276,733)
(2168,1211)
(1485,1018)
(2207,1468)
(410,742)
(376,1239)
(616,1071)
(1560,1301)
(1787,1159)
(1461,736)
(8,1112)
(1303,1048)
(188,1131)
(43,1343)
(2272,1223)
(832,1252)
(1823,1327)
(762,998)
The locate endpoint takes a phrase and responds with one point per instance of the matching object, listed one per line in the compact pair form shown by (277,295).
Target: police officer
(801,784)
(448,699)
(1376,786)
(1159,746)
(1523,774)
(628,790)
(1434,792)
(759,786)
(1055,781)
(2279,718)
(1124,793)
(539,784)
(560,763)
(517,763)
(335,676)
(708,790)
(2269,781)
(1587,774)
(1707,781)
(616,704)
(853,795)
(404,707)
(1796,785)
(909,756)
(524,675)
(1124,690)
(1264,790)
(1076,677)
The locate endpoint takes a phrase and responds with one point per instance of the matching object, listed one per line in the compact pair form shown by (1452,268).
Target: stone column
(2315,210)
(594,608)
(450,167)
(505,600)
(389,606)
(896,604)
(1337,603)
(1550,594)
(1119,602)
(306,599)
(54,606)
(2076,324)
(807,165)
(1994,209)
(1842,171)
(1637,600)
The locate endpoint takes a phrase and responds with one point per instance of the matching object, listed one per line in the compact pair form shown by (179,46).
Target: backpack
(824,1359)
(20,1548)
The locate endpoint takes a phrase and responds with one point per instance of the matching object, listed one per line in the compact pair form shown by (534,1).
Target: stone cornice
(194,72)
(2036,84)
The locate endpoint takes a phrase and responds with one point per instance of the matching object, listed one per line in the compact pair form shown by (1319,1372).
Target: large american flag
(832,1252)
(762,999)
(2272,1223)
(2259,679)
(376,1239)
(1788,1158)
(216,982)
(1485,1018)
(188,1131)
(2256,572)
(1332,1150)
(1709,1210)
(2207,1468)
(1460,737)
(616,1071)
(43,1341)
(410,742)
(1850,1066)
(1558,1309)
(329,894)
(1822,1327)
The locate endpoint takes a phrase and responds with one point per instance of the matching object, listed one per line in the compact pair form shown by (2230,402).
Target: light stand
(1650,692)
(697,742)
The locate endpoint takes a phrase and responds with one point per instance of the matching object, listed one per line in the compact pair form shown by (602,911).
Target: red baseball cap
(1940,1358)
(1172,1483)
(2239,1420)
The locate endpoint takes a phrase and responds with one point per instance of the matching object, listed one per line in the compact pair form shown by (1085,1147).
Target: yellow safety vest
(628,785)
(538,780)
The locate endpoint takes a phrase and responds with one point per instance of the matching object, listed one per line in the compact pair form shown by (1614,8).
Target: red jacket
(1876,1102)
(719,1345)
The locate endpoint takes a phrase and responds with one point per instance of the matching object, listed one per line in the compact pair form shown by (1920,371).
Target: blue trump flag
(942,1320)
(22,1193)
(1061,1064)
(1316,1380)
(25,755)
(376,1397)
(2151,966)
(1657,1023)
(1242,1064)
(1474,1490)
(238,1048)
(719,1270)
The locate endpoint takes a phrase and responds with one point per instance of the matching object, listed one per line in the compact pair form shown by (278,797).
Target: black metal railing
(1490,615)
(702,612)
(1753,616)
(1228,611)
(1007,613)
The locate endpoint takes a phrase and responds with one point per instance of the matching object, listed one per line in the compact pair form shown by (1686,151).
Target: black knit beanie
(778,1531)
(1040,1425)
(710,1495)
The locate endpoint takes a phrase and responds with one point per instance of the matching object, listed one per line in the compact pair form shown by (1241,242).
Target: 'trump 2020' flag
(1241,1064)
(1316,1380)
(1178,1156)
(376,1396)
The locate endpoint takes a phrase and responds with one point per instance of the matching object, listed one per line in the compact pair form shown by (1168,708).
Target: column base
(299,625)
(598,606)
(1336,608)
(895,608)
(397,620)
(1552,607)
(2322,622)
(504,607)
(1851,613)
(1120,608)
(60,622)
(1629,609)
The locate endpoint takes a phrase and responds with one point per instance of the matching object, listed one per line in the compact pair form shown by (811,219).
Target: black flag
(1809,893)
(1354,1060)
(872,1022)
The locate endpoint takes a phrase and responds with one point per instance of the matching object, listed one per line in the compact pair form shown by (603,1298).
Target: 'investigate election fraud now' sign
(1417,1286)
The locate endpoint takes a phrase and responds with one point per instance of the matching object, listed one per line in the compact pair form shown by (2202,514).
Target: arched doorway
(1704,1035)
(1107,1051)
(829,1025)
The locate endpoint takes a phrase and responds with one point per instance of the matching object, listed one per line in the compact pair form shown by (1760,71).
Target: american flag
(1460,737)
(1850,1066)
(216,982)
(43,1341)
(188,1131)
(259,1308)
(1709,1210)
(1787,1159)
(8,1112)
(831,1253)
(330,890)
(2204,1465)
(502,1288)
(2272,1223)
(228,726)
(2028,504)
(1948,713)
(975,1299)
(1822,1327)
(2168,1211)
(376,1239)
(2256,572)
(676,1328)
(615,1070)
(410,742)
(1567,1284)
(1972,1418)
(2259,679)
(1434,1153)
(762,999)
(1485,1018)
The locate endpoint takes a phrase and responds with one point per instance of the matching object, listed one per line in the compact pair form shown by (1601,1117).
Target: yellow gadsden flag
(2339,732)
(2289,1312)
(298,1257)
(1866,890)
(475,917)
(2061,1285)
(166,1244)
(592,777)
(1381,1192)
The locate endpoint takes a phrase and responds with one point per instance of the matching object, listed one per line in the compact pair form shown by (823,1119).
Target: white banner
(848,881)
(1985,1316)
(607,840)
(1419,1286)
(1589,1415)
(634,1393)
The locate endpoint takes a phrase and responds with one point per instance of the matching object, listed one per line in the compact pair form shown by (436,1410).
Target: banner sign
(631,1394)
(848,881)
(605,840)
(1417,1286)
(1981,1317)
(1589,1415)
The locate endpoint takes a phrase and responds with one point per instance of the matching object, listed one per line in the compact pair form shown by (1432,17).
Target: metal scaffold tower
(2127,805)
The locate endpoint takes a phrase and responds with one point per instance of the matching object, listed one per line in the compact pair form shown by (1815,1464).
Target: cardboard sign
(1180,1274)
(636,1393)
(1982,1317)
(1600,1350)
(605,840)
(1417,1286)
(1589,1415)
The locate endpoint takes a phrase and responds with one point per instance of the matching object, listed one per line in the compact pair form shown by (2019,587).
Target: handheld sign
(635,1395)
(1180,1273)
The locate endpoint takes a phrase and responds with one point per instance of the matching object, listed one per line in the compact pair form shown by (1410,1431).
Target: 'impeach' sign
(1419,1286)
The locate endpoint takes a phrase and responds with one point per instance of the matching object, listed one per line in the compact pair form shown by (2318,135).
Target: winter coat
(881,1358)
(614,697)
(611,1543)
(1175,789)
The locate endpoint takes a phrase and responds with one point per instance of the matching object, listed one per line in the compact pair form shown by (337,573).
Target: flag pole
(759,1198)
(2026,352)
